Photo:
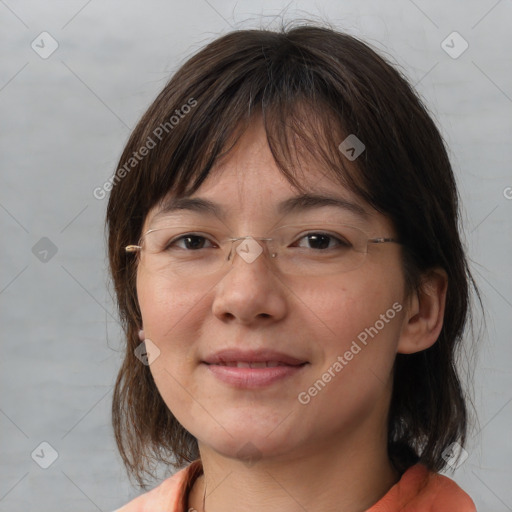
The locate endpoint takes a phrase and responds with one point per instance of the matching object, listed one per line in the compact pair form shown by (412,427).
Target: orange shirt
(418,490)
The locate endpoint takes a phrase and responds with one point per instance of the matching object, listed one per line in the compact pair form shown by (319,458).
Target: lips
(250,364)
(252,359)
(253,369)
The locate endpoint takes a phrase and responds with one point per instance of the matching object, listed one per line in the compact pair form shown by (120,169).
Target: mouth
(253,364)
(263,358)
(253,369)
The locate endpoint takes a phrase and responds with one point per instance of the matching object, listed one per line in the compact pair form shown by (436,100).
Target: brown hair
(314,85)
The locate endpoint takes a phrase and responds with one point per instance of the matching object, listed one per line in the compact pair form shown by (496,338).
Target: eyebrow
(291,205)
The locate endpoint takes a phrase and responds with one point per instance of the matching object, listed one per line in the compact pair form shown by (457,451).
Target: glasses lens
(315,250)
(181,252)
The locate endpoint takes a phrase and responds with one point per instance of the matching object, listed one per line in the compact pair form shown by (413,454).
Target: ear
(425,313)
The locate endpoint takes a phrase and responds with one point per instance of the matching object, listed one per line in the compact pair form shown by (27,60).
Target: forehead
(257,187)
(247,180)
(294,204)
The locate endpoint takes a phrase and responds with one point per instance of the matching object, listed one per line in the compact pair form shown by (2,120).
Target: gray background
(64,121)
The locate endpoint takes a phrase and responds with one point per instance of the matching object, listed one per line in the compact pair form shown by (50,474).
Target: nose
(251,291)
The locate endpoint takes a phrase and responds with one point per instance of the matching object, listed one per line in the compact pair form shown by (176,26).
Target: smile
(253,375)
(251,364)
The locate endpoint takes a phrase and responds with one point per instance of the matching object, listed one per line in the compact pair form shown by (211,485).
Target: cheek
(172,319)
(357,327)
(343,307)
(163,305)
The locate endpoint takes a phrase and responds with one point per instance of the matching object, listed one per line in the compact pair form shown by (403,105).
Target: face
(325,344)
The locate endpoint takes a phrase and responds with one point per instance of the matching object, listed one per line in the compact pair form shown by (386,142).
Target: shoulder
(170,495)
(446,493)
(421,490)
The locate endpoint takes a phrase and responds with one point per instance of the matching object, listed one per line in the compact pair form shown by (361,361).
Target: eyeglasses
(296,250)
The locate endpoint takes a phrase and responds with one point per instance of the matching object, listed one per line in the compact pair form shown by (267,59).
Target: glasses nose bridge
(249,251)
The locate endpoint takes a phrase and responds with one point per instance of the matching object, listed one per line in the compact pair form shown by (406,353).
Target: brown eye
(323,241)
(189,242)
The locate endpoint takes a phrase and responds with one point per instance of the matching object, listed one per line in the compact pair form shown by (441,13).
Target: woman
(283,241)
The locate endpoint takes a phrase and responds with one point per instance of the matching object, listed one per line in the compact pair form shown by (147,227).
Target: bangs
(305,120)
(298,138)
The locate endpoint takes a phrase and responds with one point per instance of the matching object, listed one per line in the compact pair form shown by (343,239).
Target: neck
(336,476)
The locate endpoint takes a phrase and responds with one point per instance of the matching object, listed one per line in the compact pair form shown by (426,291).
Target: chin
(247,450)
(246,442)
